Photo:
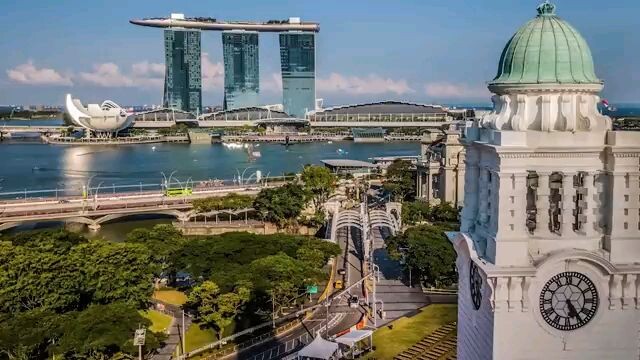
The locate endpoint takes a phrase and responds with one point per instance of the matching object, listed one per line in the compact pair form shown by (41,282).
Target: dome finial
(546,8)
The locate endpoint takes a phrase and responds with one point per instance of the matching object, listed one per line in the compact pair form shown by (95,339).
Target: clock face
(568,301)
(475,284)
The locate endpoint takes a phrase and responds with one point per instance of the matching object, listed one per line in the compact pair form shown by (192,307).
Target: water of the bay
(33,166)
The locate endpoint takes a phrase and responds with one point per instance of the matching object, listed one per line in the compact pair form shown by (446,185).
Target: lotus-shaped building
(105,119)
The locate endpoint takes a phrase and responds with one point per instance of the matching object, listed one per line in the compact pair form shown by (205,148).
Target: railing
(128,189)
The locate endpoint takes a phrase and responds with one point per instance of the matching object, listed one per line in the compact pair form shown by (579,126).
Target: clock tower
(549,247)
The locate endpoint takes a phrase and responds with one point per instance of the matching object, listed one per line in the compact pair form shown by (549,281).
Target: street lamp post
(95,196)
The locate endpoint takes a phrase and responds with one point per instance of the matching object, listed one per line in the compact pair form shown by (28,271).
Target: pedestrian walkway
(174,338)
(393,288)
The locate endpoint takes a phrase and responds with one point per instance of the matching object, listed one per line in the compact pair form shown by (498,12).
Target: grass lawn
(408,331)
(198,337)
(174,297)
(159,321)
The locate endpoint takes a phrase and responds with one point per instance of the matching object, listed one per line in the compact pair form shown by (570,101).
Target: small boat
(256,154)
(153,148)
(329,142)
(232,145)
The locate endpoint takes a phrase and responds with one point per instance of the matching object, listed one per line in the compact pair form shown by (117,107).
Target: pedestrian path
(393,288)
(174,338)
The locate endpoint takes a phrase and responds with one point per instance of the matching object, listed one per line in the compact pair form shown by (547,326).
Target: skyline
(447,58)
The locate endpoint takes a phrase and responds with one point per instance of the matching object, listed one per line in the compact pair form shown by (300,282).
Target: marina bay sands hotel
(183,75)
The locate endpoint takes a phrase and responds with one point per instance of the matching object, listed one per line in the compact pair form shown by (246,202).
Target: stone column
(520,204)
(470,209)
(568,204)
(482,197)
(420,173)
(429,185)
(543,219)
(589,226)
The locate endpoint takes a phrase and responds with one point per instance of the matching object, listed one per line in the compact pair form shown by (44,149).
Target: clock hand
(572,309)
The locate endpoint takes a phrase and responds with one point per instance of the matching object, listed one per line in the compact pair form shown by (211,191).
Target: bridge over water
(97,210)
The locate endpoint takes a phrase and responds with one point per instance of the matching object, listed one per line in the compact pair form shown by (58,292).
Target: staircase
(439,345)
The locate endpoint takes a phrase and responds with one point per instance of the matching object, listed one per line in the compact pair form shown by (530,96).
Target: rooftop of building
(546,50)
(347,163)
(246,113)
(213,24)
(383,107)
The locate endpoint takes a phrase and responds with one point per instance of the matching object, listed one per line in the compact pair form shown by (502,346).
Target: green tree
(116,272)
(231,201)
(281,205)
(27,335)
(313,257)
(106,330)
(217,309)
(400,179)
(319,182)
(61,272)
(427,251)
(414,212)
(444,213)
(283,277)
(164,242)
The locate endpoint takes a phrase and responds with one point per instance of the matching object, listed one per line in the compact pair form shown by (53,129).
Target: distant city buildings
(183,80)
(241,69)
(298,64)
(183,74)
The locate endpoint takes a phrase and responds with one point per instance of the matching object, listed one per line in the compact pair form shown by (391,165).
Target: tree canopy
(319,182)
(281,205)
(400,180)
(59,288)
(217,309)
(415,212)
(427,251)
(231,201)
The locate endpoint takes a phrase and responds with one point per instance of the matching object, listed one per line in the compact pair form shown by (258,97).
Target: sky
(428,51)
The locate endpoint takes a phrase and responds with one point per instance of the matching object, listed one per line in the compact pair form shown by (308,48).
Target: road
(108,204)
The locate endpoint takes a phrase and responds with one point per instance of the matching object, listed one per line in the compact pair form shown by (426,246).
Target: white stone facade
(441,169)
(540,201)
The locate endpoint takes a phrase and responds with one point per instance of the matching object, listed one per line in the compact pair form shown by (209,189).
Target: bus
(179,192)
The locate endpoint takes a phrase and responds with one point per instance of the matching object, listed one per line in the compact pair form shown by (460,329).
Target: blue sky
(419,50)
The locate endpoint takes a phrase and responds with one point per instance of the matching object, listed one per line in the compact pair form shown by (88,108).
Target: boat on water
(233,145)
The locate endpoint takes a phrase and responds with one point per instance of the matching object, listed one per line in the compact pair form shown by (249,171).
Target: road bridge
(98,210)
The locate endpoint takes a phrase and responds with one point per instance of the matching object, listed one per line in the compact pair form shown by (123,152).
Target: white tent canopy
(353,337)
(319,348)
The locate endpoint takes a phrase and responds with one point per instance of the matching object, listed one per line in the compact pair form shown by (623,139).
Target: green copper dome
(546,50)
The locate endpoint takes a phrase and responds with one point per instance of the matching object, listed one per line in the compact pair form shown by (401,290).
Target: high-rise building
(241,69)
(183,80)
(298,64)
(549,244)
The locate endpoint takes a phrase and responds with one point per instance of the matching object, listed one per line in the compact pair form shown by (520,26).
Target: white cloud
(448,90)
(146,68)
(369,85)
(29,74)
(212,74)
(143,74)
